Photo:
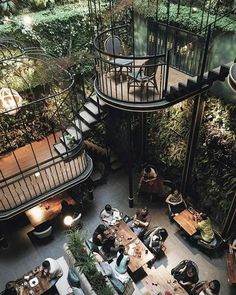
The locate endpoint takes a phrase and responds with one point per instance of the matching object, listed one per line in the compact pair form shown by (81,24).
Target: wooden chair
(145,75)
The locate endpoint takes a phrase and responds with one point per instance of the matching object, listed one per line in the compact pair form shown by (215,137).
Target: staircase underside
(28,190)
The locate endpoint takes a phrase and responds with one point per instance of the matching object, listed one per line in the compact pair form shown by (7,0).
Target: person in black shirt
(99,235)
(186,273)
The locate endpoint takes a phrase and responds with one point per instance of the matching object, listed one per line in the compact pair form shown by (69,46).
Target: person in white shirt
(53,269)
(206,288)
(110,215)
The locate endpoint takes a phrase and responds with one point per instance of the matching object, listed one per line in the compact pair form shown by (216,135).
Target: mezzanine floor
(22,255)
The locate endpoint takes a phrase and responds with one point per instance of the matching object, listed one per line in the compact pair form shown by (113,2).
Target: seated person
(186,274)
(176,203)
(10,288)
(206,288)
(66,208)
(122,260)
(51,268)
(110,215)
(140,221)
(155,239)
(150,182)
(109,247)
(204,228)
(233,245)
(99,235)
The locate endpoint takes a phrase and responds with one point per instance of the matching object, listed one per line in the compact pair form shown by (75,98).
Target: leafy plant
(86,262)
(8,7)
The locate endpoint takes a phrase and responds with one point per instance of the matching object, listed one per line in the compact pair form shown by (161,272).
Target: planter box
(84,283)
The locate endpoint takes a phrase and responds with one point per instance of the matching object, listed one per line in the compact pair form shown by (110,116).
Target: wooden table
(231,267)
(125,236)
(160,280)
(123,233)
(42,286)
(47,210)
(185,220)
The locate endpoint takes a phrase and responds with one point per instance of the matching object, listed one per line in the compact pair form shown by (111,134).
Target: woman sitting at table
(186,273)
(176,204)
(122,260)
(99,235)
(150,182)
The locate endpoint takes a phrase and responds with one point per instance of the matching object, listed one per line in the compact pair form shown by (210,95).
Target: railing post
(167,72)
(204,60)
(131,196)
(198,111)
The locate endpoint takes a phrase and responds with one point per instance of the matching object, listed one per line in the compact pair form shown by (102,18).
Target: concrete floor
(22,255)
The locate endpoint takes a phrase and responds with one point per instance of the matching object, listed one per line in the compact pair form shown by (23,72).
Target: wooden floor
(115,85)
(20,183)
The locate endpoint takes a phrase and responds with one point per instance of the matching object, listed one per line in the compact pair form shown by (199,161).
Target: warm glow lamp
(10,101)
(68,220)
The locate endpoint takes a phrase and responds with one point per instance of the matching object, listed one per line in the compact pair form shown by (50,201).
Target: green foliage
(181,18)
(86,262)
(214,175)
(8,7)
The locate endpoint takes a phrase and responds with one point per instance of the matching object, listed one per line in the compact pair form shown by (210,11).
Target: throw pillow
(73,278)
(120,288)
(107,269)
(92,247)
(77,291)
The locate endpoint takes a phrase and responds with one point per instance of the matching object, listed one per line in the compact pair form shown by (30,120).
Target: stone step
(92,109)
(74,132)
(87,118)
(93,99)
(81,125)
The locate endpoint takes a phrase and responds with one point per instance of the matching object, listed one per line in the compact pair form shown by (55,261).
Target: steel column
(230,220)
(131,195)
(198,110)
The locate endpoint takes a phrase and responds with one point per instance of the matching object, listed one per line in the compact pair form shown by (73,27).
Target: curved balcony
(41,148)
(128,80)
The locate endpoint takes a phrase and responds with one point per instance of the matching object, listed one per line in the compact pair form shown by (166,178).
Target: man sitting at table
(206,288)
(51,268)
(204,228)
(140,221)
(110,215)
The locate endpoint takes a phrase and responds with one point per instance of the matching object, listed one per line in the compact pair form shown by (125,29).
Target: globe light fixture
(68,221)
(10,101)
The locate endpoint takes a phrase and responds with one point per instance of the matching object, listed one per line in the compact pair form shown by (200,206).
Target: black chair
(213,246)
(145,75)
(113,46)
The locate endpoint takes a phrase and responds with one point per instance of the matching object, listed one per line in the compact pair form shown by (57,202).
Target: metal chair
(42,234)
(145,75)
(113,46)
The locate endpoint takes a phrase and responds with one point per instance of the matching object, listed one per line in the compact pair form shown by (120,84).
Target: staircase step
(74,132)
(92,109)
(93,99)
(66,141)
(62,151)
(87,118)
(83,126)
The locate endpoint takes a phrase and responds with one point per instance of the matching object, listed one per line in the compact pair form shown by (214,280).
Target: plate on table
(33,282)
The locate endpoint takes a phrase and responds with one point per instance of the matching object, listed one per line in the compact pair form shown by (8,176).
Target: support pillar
(143,135)
(198,110)
(131,193)
(230,220)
